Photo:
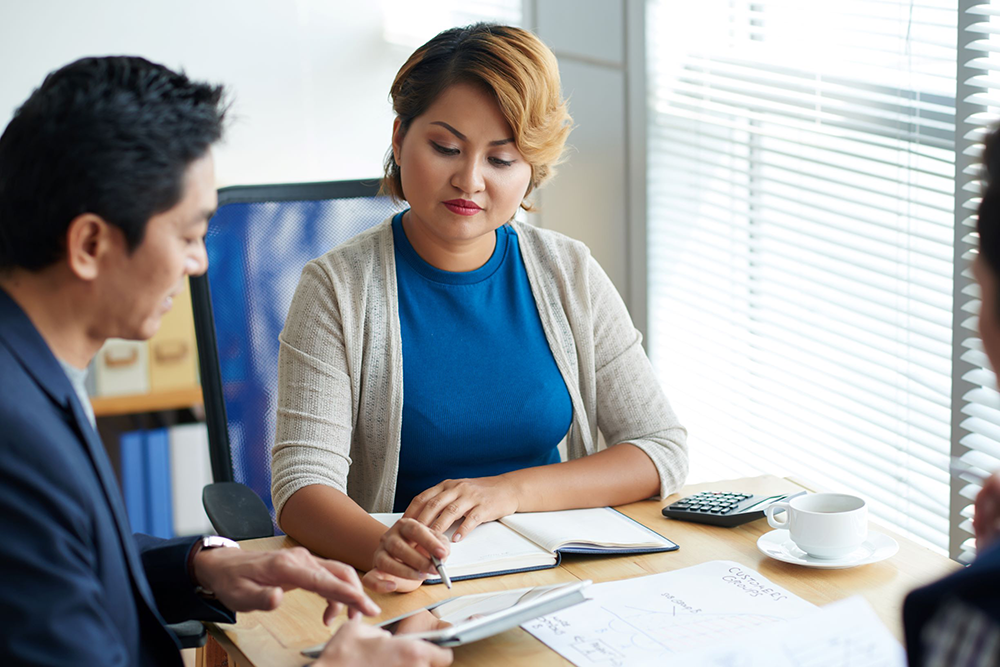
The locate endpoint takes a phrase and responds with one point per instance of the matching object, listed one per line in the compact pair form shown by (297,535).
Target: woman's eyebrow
(498,142)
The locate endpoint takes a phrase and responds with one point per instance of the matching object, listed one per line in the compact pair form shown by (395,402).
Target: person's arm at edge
(327,522)
(168,572)
(351,535)
(617,475)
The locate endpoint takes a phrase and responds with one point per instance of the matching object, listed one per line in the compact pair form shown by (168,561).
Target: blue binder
(145,466)
(159,497)
(133,467)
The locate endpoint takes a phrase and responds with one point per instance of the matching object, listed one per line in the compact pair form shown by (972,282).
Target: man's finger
(332,611)
(349,576)
(251,596)
(439,657)
(306,573)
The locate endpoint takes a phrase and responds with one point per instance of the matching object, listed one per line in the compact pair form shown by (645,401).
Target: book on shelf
(190,472)
(132,457)
(538,540)
(163,473)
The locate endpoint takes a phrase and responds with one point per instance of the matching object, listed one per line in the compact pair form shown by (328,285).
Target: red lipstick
(463,206)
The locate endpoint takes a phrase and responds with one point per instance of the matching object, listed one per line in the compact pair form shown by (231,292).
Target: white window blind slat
(801,242)
(976,409)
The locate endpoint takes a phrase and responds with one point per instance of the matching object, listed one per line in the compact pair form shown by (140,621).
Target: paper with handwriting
(847,633)
(649,620)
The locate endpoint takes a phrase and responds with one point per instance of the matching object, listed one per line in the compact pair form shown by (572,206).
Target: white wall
(310,78)
(599,194)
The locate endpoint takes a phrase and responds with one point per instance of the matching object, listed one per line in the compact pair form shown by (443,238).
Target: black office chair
(258,242)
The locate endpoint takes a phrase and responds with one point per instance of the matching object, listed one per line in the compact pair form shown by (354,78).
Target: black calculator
(721,508)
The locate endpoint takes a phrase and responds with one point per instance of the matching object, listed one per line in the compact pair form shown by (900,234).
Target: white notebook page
(490,543)
(600,526)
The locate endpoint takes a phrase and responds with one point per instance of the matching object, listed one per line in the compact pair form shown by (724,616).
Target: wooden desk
(275,638)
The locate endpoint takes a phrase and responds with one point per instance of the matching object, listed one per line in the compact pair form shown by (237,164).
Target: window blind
(975,397)
(801,179)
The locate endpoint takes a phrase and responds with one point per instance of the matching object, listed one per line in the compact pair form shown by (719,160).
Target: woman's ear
(397,139)
(88,239)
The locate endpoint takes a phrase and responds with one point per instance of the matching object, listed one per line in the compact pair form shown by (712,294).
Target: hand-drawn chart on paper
(647,620)
(842,634)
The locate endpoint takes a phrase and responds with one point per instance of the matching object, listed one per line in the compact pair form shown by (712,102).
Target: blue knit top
(481,391)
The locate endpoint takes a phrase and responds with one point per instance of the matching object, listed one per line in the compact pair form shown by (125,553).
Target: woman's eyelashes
(495,161)
(444,150)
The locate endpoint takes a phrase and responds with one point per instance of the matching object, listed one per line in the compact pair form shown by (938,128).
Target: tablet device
(462,620)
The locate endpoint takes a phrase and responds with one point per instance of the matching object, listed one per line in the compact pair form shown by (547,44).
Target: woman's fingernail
(457,537)
(389,586)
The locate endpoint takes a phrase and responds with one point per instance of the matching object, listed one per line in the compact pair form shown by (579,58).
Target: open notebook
(537,540)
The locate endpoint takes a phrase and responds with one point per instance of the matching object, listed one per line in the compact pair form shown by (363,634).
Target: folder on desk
(538,540)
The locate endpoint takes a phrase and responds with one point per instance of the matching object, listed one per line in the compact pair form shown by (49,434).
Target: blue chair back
(258,242)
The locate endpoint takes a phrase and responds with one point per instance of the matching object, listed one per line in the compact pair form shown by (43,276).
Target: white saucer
(777,544)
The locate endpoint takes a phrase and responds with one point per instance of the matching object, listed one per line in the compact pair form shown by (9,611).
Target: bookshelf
(176,399)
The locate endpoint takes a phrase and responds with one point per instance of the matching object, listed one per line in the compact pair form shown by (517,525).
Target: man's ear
(397,138)
(88,239)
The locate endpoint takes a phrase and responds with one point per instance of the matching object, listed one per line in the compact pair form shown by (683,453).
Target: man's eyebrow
(498,142)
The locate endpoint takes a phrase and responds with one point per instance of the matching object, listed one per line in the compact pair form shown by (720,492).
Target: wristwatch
(208,542)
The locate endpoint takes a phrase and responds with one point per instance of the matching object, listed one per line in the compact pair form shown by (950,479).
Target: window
(975,398)
(801,240)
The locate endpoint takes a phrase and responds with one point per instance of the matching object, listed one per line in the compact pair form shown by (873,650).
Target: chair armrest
(191,634)
(236,511)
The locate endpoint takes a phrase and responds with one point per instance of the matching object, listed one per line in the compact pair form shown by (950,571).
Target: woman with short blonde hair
(434,364)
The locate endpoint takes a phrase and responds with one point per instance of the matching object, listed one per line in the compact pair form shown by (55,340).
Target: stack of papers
(717,614)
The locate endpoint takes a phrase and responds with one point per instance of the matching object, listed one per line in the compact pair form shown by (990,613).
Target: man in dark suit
(106,190)
(956,621)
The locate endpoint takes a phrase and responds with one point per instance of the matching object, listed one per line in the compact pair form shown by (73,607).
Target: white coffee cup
(824,525)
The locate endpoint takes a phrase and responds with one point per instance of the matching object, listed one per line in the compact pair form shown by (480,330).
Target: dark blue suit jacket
(977,586)
(76,587)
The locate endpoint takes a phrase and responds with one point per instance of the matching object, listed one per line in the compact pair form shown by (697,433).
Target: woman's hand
(986,520)
(478,500)
(402,559)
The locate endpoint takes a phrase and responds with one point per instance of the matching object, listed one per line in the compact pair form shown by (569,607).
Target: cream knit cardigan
(340,368)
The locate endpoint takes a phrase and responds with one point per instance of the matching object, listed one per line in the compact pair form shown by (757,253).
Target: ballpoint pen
(440,568)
